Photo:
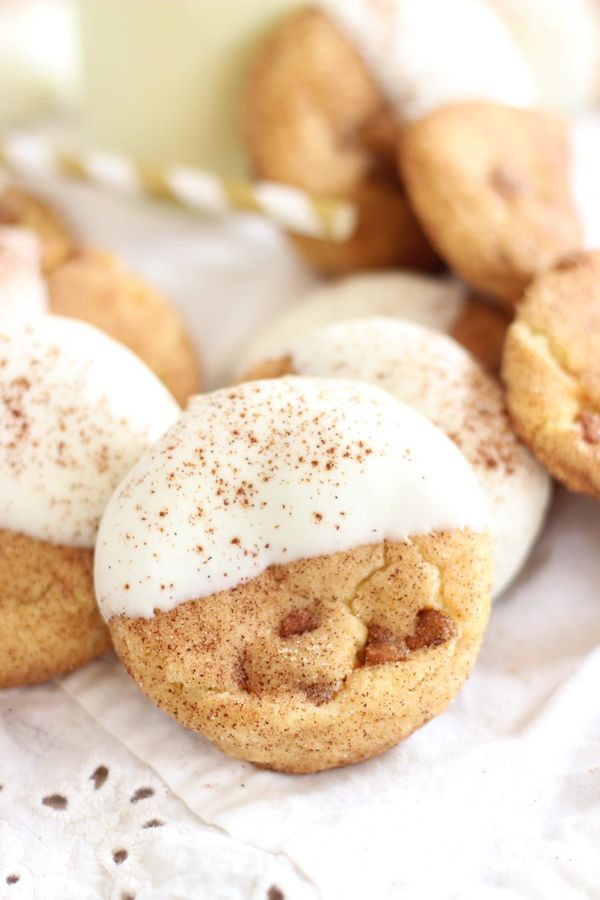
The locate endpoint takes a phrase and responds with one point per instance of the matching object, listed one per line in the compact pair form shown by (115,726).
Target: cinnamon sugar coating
(49,620)
(324,693)
(490,185)
(551,370)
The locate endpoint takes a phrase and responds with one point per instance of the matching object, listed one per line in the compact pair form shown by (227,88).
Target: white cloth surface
(498,798)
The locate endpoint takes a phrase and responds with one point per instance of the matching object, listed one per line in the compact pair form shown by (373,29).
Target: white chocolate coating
(22,289)
(428,53)
(432,301)
(561,41)
(436,376)
(77,410)
(270,472)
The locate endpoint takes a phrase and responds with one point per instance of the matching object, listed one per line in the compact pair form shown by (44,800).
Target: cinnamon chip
(590,427)
(433,628)
(383,647)
(299,622)
(321,692)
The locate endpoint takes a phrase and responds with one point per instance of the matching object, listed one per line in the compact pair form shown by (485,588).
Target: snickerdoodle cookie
(299,569)
(76,411)
(490,185)
(433,374)
(551,369)
(315,117)
(19,207)
(441,303)
(94,286)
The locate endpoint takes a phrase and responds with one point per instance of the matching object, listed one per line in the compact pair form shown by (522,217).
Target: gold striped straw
(27,154)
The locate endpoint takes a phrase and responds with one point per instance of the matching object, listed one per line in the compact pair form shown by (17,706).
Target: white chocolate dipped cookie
(300,569)
(22,288)
(425,54)
(441,303)
(433,374)
(76,411)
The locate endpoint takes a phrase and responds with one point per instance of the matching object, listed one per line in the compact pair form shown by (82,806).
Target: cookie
(491,187)
(300,570)
(76,411)
(314,117)
(434,375)
(19,207)
(22,288)
(95,287)
(552,373)
(440,303)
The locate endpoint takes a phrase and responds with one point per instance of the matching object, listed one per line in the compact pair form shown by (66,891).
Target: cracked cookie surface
(551,370)
(321,662)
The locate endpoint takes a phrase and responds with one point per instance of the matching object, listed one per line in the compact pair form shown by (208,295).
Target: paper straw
(201,191)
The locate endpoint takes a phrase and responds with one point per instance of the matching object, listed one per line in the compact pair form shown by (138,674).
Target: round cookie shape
(552,373)
(22,289)
(76,411)
(21,208)
(333,135)
(434,375)
(440,303)
(93,286)
(308,577)
(491,187)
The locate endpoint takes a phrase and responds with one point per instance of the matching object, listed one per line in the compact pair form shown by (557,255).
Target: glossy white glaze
(271,472)
(436,376)
(77,410)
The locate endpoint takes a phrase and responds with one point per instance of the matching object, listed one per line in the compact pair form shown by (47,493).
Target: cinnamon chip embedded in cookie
(94,286)
(551,369)
(490,185)
(300,569)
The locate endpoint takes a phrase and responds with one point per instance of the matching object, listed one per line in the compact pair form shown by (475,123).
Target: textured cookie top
(426,54)
(22,288)
(268,473)
(76,411)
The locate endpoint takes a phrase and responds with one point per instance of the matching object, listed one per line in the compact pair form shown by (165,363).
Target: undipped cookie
(491,187)
(551,369)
